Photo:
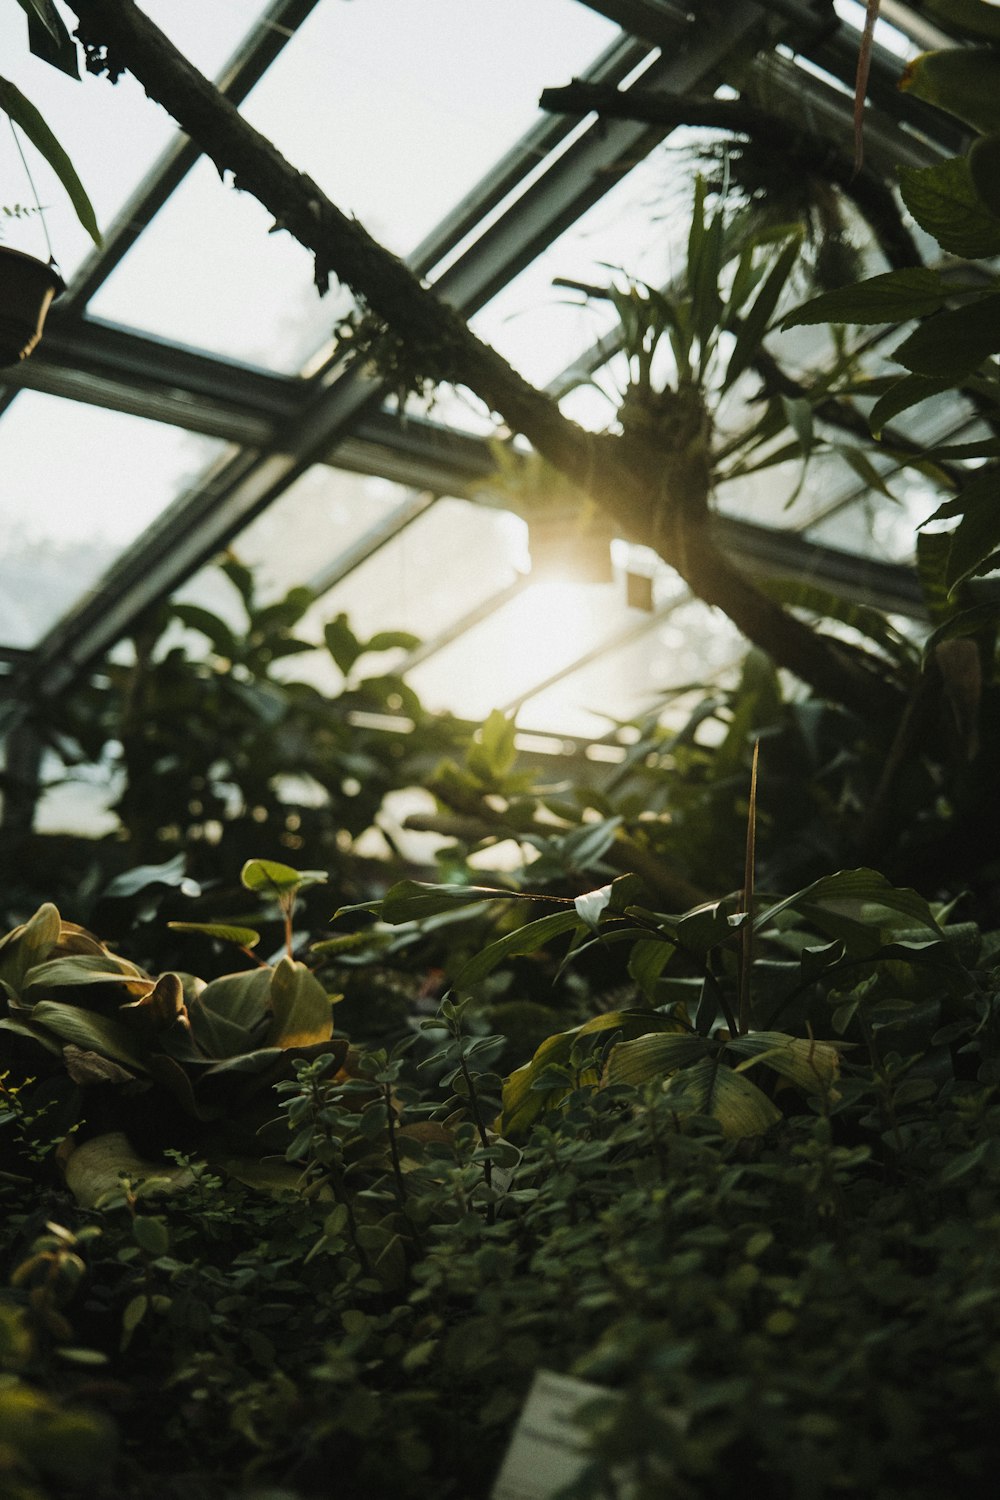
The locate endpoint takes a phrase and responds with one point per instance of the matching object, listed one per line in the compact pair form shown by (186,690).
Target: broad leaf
(300,1006)
(649,1057)
(893,297)
(955,342)
(271,878)
(810,1065)
(241,999)
(712,1088)
(170,873)
(91,1032)
(943,200)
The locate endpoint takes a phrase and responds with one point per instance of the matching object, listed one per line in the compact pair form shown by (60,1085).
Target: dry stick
(117,36)
(747,900)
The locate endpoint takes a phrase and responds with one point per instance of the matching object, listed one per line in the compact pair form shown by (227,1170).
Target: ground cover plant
(749,1205)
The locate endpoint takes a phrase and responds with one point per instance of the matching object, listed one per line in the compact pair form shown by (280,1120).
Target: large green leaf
(654,1056)
(92,1032)
(863,897)
(712,1088)
(526,939)
(24,113)
(225,932)
(492,754)
(301,1008)
(900,397)
(242,999)
(28,945)
(954,343)
(943,200)
(810,1065)
(893,297)
(85,969)
(525,1095)
(870,622)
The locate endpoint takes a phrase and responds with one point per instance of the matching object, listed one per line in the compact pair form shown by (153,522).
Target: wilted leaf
(96,1167)
(810,1065)
(650,1057)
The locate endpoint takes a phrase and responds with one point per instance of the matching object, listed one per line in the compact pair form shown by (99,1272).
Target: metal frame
(282,425)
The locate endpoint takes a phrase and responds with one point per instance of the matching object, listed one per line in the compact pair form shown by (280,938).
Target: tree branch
(117,36)
(795,146)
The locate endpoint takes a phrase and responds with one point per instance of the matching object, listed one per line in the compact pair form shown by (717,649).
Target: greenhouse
(498,686)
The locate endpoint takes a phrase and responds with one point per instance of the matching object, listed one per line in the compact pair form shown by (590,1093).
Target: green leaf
(392,640)
(646,963)
(861,617)
(906,393)
(48,37)
(300,1006)
(523,1102)
(812,1066)
(755,324)
(241,1000)
(29,945)
(526,939)
(79,969)
(852,901)
(966,622)
(24,113)
(943,200)
(650,1057)
(151,1234)
(893,297)
(271,878)
(342,644)
(858,460)
(411,900)
(492,754)
(975,540)
(86,1029)
(243,937)
(711,1088)
(955,342)
(209,625)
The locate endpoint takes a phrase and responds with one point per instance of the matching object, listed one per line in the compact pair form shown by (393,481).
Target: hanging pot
(27,287)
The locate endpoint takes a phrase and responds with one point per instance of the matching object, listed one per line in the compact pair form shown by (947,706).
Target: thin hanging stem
(34,190)
(861,81)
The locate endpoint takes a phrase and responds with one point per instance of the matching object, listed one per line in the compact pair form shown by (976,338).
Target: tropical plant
(49,39)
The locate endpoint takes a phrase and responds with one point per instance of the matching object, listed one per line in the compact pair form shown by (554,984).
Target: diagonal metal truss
(281,425)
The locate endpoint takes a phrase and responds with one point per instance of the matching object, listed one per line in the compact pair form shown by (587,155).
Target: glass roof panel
(693,644)
(539,633)
(441,566)
(69,508)
(460,96)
